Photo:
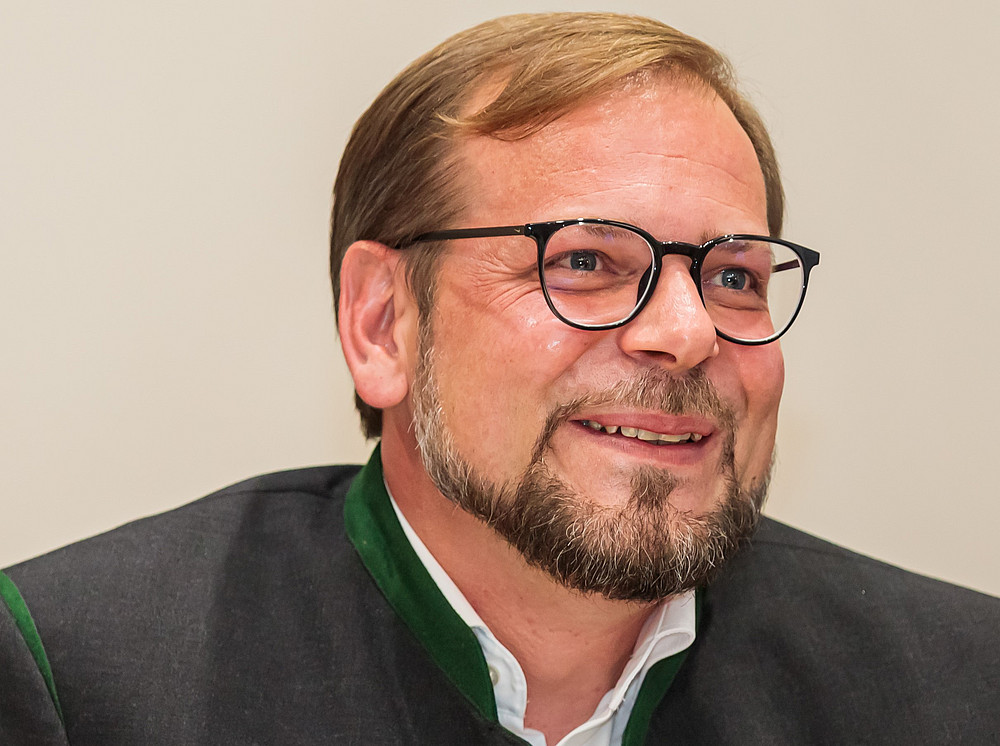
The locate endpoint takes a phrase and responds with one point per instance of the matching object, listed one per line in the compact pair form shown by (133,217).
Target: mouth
(647,436)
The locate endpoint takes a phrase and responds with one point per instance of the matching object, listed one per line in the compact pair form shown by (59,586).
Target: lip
(690,454)
(654,422)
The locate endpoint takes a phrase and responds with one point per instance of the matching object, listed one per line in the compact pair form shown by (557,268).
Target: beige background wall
(165,322)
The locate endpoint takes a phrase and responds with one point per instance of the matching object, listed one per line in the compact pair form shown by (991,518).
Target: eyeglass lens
(598,274)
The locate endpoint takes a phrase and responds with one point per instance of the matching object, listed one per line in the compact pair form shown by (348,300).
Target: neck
(572,647)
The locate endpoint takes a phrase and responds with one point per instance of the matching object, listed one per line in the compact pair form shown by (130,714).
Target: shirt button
(494,675)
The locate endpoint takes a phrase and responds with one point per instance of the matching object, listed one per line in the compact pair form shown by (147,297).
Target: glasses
(599,274)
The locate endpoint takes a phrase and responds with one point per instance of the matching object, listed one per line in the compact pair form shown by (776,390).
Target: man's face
(510,397)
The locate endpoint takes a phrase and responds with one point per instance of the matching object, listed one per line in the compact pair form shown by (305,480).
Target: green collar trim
(374,530)
(658,679)
(11,597)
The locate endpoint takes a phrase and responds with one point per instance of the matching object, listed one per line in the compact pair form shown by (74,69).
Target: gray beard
(644,550)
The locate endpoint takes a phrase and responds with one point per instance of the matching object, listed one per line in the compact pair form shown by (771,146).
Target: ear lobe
(375,312)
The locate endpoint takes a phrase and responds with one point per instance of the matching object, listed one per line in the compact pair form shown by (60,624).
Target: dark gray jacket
(250,617)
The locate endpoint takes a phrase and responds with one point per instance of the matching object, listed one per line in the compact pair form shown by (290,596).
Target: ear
(377,323)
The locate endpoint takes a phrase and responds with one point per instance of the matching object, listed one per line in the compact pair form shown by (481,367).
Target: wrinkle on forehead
(675,166)
(684,163)
(735,166)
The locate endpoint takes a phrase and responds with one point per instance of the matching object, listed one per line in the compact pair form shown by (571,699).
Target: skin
(668,157)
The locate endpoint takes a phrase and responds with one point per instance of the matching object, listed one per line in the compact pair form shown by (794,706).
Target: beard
(644,550)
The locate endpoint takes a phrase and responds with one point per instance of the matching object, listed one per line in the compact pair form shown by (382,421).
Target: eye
(731,278)
(583,261)
(580,262)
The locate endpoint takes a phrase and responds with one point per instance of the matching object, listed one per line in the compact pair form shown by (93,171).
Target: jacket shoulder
(789,557)
(192,531)
(803,641)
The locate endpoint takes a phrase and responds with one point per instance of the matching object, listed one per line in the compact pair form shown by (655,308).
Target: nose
(674,329)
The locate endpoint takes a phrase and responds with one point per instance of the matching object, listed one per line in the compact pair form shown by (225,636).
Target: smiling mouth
(646,436)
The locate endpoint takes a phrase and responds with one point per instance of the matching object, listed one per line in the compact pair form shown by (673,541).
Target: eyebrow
(602,229)
(703,238)
(707,236)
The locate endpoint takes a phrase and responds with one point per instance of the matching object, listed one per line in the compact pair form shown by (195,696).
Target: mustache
(651,389)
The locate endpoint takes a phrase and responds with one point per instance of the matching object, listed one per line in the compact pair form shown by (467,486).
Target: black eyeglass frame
(542,232)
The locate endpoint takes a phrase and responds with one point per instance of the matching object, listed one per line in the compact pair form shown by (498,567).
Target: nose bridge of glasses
(661,274)
(694,252)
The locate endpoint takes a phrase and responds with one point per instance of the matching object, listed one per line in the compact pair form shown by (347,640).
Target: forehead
(642,153)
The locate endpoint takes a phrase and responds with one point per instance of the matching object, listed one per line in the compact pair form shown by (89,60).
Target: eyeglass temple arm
(790,264)
(504,230)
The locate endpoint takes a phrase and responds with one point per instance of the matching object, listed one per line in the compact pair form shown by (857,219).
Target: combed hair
(399,174)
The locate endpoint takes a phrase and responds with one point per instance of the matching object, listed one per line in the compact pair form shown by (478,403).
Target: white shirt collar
(668,631)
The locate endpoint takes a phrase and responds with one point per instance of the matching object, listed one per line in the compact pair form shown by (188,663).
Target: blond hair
(398,176)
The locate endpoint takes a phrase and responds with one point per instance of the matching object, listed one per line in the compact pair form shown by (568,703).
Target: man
(560,284)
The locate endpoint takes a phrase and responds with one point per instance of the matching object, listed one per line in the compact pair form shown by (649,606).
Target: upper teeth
(647,435)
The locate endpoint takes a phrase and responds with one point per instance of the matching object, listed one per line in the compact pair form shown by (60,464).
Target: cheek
(503,330)
(762,373)
(499,375)
(766,379)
